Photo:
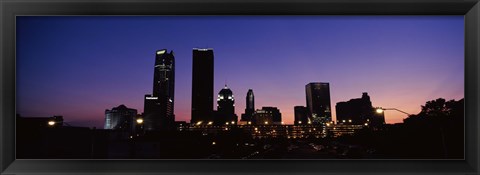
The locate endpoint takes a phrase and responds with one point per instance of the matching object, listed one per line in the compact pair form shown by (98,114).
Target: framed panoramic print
(239,87)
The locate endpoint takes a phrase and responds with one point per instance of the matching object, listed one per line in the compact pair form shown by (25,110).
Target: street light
(139,120)
(381,110)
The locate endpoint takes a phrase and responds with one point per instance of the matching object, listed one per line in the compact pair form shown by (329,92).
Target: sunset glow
(79,66)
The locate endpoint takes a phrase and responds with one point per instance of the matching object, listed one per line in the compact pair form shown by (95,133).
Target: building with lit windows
(267,116)
(202,85)
(318,102)
(249,107)
(159,106)
(225,108)
(359,111)
(120,118)
(342,129)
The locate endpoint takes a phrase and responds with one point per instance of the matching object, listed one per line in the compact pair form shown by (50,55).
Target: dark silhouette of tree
(438,128)
(436,132)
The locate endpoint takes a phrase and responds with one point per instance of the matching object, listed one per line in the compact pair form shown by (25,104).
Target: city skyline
(266,67)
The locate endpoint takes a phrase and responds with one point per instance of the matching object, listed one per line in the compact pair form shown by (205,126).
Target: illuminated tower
(159,106)
(225,107)
(202,85)
(318,102)
(250,106)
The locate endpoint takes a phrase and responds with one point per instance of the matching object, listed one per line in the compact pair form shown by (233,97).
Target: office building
(202,85)
(249,107)
(267,116)
(358,111)
(318,102)
(341,129)
(120,118)
(159,106)
(301,115)
(225,107)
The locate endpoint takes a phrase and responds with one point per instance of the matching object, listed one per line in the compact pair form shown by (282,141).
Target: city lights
(170,125)
(140,121)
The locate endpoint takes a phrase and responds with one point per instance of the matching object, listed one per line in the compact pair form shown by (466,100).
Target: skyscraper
(202,85)
(225,107)
(249,107)
(318,102)
(159,106)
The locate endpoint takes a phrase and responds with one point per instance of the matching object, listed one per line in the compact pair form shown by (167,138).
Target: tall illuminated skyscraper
(250,106)
(225,107)
(159,106)
(318,102)
(202,85)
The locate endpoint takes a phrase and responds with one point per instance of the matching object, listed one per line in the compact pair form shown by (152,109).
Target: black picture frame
(11,8)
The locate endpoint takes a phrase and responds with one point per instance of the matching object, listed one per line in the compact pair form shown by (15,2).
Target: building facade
(159,106)
(318,103)
(249,107)
(120,118)
(202,85)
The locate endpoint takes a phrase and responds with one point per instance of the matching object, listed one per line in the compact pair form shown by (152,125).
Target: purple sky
(79,66)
